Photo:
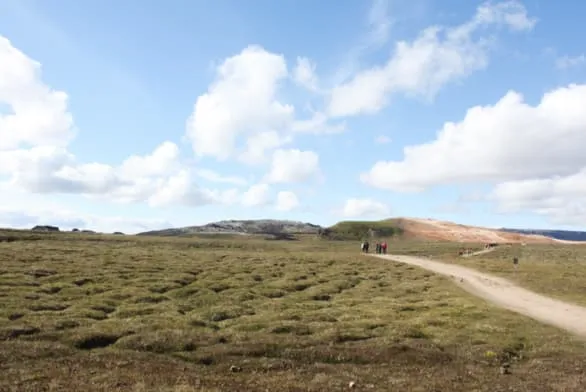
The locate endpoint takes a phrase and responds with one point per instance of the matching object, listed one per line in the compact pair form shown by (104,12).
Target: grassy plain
(105,313)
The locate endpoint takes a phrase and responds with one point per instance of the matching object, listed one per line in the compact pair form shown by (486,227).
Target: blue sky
(138,115)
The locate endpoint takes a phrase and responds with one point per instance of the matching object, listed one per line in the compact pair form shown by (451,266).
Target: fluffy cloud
(317,124)
(20,209)
(437,56)
(510,140)
(35,134)
(212,176)
(561,199)
(354,208)
(257,195)
(304,73)
(534,154)
(177,188)
(34,137)
(162,160)
(258,144)
(289,166)
(511,13)
(66,220)
(241,102)
(287,201)
(50,169)
(37,114)
(240,114)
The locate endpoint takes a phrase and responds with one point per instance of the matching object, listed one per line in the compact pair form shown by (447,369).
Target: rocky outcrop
(262,226)
(45,228)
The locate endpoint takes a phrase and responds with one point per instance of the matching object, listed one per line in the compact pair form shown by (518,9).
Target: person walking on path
(384,247)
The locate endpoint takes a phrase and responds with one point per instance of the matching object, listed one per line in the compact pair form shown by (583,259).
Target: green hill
(359,230)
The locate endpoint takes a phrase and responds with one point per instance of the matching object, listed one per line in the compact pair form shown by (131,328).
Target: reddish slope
(431,229)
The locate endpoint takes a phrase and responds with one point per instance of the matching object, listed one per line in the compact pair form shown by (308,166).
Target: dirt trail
(479,252)
(505,294)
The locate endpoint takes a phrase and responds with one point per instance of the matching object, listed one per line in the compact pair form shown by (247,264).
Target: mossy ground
(97,313)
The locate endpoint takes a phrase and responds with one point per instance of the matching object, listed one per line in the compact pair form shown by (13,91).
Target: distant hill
(429,230)
(243,227)
(400,228)
(359,230)
(566,235)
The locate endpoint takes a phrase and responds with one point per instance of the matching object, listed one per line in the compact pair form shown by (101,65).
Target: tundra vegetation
(91,312)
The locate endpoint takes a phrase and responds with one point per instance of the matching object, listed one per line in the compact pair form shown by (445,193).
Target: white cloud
(289,166)
(379,23)
(287,201)
(436,57)
(561,199)
(162,160)
(34,140)
(510,140)
(158,179)
(38,115)
(566,62)
(55,170)
(67,220)
(240,115)
(257,195)
(258,144)
(304,73)
(354,208)
(317,124)
(382,139)
(212,176)
(241,102)
(511,13)
(23,210)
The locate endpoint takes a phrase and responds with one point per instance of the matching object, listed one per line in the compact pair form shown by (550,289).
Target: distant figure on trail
(377,247)
(365,246)
(384,247)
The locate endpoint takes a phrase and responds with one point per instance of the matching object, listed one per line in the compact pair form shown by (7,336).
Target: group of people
(381,247)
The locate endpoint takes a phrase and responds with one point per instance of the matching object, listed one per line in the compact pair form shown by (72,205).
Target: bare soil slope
(430,229)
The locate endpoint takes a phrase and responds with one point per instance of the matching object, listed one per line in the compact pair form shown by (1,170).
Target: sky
(139,115)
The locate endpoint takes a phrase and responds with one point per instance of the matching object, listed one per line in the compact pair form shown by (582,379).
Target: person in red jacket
(384,247)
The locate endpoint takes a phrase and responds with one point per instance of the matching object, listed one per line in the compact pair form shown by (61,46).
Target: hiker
(378,248)
(364,247)
(384,247)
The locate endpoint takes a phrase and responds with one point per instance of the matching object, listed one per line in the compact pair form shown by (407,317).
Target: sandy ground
(505,294)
